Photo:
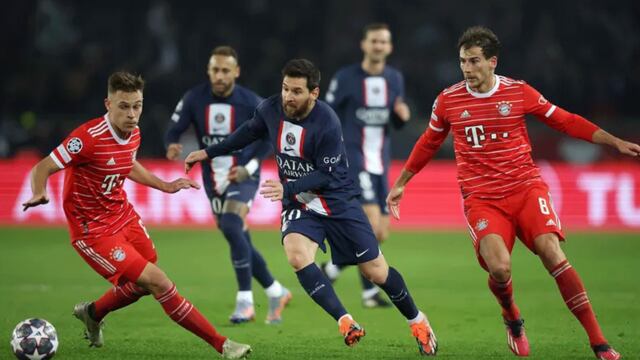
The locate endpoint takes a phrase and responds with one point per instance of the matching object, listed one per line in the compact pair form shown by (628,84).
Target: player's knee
(375,270)
(230,224)
(154,280)
(500,269)
(298,260)
(548,248)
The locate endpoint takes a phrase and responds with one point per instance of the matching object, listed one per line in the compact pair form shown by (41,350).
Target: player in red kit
(105,229)
(504,195)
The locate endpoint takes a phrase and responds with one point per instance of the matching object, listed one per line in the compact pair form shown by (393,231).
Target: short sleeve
(438,122)
(76,149)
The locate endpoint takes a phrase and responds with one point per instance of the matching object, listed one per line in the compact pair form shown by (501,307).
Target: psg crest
(291,139)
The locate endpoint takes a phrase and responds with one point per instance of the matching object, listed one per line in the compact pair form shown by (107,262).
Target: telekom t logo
(475,134)
(109,182)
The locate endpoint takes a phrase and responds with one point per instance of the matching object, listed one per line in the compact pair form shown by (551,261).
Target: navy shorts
(350,238)
(243,192)
(373,189)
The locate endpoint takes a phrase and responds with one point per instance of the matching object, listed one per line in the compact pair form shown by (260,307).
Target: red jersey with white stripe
(492,148)
(97,162)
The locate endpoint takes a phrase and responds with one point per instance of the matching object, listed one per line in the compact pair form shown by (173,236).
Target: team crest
(504,108)
(118,254)
(74,145)
(219,118)
(291,139)
(482,224)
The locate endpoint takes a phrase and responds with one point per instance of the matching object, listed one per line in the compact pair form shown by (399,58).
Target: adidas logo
(550,223)
(111,162)
(465,114)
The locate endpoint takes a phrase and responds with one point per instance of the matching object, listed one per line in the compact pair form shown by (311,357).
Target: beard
(294,113)
(220,89)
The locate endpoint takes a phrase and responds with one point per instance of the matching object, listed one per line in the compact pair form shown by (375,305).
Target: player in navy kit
(319,198)
(368,98)
(216,108)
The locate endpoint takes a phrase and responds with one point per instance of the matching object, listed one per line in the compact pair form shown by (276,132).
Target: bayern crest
(504,108)
(482,224)
(118,254)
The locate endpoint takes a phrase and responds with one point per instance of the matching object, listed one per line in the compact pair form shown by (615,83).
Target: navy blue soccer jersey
(214,118)
(310,155)
(365,104)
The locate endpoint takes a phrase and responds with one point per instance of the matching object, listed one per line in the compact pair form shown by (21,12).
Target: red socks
(186,315)
(116,298)
(503,291)
(575,296)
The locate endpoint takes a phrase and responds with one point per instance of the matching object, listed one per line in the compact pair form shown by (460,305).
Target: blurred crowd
(580,54)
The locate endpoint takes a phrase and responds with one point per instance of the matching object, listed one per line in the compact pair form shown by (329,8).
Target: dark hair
(124,81)
(373,27)
(482,37)
(225,50)
(303,68)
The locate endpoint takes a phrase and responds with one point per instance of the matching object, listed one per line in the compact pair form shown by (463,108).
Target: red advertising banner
(601,196)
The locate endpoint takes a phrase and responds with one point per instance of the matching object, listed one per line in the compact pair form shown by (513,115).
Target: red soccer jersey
(492,148)
(97,162)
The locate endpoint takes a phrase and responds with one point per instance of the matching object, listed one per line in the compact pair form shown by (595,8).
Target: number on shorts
(216,205)
(544,208)
(293,214)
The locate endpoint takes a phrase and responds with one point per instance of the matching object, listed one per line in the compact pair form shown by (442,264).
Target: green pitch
(42,276)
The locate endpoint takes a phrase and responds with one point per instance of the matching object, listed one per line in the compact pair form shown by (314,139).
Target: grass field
(42,276)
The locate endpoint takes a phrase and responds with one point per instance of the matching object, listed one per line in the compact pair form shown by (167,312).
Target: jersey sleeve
(336,92)
(431,140)
(571,124)
(180,120)
(76,149)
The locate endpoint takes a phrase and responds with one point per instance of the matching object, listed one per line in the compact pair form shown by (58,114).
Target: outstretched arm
(625,147)
(143,176)
(39,175)
(247,133)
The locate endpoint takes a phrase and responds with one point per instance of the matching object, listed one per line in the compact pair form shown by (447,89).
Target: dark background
(57,54)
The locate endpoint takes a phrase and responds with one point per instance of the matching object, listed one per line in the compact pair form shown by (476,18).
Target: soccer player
(216,108)
(368,98)
(318,198)
(504,195)
(105,230)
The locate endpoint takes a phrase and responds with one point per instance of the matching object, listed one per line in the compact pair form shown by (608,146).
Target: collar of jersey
(118,139)
(488,93)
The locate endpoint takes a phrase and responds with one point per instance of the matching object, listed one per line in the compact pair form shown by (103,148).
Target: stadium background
(57,55)
(62,52)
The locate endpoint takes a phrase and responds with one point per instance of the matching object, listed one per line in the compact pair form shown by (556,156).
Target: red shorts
(526,214)
(119,258)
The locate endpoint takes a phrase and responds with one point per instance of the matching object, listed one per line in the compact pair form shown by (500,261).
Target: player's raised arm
(39,175)
(143,176)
